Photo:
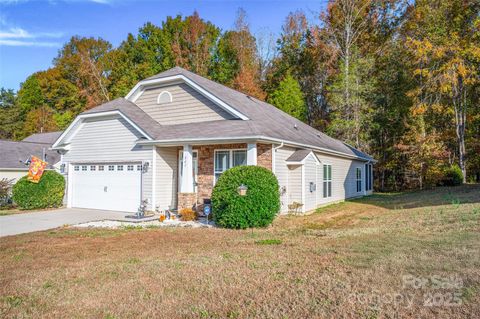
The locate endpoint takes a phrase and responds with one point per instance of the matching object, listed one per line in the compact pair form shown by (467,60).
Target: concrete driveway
(43,220)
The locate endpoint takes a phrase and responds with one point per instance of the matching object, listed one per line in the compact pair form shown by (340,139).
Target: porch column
(187,171)
(252,154)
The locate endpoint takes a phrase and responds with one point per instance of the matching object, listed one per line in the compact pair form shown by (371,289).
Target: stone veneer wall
(264,155)
(206,165)
(186,200)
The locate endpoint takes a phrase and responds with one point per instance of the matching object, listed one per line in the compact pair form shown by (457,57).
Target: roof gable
(127,110)
(183,105)
(265,119)
(300,156)
(175,76)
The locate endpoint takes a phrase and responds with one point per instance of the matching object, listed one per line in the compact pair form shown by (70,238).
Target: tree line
(396,79)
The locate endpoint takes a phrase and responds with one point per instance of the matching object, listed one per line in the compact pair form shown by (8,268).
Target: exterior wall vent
(164,97)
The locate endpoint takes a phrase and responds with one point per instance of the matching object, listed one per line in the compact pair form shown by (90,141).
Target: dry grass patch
(320,265)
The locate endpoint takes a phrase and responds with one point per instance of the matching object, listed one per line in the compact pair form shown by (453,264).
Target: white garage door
(107,186)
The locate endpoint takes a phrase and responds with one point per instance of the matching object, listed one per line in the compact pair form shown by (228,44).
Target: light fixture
(145,167)
(242,190)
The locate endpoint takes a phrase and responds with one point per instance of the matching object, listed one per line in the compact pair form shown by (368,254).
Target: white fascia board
(314,157)
(80,118)
(61,137)
(138,89)
(294,163)
(194,141)
(246,139)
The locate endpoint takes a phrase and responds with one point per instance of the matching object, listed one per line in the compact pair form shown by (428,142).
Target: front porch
(184,176)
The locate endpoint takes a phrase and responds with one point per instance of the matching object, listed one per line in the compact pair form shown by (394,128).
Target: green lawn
(414,254)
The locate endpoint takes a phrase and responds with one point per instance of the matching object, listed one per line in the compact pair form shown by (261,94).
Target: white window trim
(367,178)
(358,169)
(329,180)
(162,93)
(231,150)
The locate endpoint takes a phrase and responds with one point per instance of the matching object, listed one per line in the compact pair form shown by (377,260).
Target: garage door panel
(107,189)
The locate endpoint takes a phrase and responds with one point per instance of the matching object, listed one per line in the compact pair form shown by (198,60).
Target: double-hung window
(327,180)
(359,179)
(225,159)
(368,177)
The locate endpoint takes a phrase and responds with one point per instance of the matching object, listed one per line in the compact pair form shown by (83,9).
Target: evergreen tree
(289,98)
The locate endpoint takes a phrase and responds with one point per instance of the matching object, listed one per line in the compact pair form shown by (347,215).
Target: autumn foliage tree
(397,79)
(443,40)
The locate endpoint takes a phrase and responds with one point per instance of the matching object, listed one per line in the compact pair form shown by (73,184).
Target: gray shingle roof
(133,112)
(48,138)
(14,154)
(264,120)
(299,155)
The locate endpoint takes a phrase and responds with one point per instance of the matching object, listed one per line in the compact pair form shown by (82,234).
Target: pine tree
(289,98)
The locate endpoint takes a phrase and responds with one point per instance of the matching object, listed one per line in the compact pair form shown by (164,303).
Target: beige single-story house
(15,155)
(175,133)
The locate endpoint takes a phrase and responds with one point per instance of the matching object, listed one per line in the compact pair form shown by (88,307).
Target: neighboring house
(174,134)
(15,156)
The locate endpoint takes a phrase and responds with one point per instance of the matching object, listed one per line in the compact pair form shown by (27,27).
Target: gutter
(175,142)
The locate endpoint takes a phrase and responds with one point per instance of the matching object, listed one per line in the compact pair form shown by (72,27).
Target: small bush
(453,176)
(188,214)
(256,209)
(47,193)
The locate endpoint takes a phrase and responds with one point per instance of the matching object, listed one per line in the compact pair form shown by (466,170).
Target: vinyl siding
(187,106)
(295,184)
(166,177)
(310,169)
(12,175)
(281,171)
(110,139)
(343,178)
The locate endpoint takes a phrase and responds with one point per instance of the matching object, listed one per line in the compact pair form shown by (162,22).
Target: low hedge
(453,176)
(256,209)
(48,192)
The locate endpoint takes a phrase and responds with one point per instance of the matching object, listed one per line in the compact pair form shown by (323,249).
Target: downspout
(274,150)
(274,157)
(278,147)
(274,168)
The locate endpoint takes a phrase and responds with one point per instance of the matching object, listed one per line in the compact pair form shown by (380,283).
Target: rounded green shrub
(48,192)
(453,176)
(256,209)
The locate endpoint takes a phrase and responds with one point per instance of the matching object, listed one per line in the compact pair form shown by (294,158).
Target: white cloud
(14,33)
(21,37)
(20,43)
